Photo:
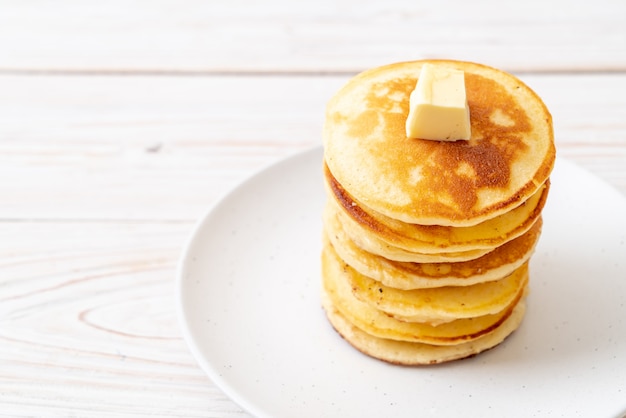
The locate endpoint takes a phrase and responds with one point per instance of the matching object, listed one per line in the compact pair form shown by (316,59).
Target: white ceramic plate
(249,303)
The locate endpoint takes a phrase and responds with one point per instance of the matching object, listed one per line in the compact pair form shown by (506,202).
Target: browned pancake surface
(433,239)
(410,275)
(510,154)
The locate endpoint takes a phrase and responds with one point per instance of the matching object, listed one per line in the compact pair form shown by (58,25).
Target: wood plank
(165,148)
(588,121)
(88,315)
(145,147)
(324,35)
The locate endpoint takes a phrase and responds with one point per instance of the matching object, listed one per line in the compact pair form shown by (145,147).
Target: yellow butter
(438,107)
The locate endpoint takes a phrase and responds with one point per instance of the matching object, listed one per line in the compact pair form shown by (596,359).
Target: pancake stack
(426,244)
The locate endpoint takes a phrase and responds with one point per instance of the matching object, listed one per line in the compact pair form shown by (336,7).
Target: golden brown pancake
(462,183)
(416,354)
(378,324)
(426,243)
(406,275)
(373,244)
(440,304)
(433,239)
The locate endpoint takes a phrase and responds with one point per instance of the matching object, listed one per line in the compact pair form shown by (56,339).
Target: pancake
(417,354)
(374,245)
(426,244)
(432,239)
(406,275)
(462,183)
(440,304)
(378,324)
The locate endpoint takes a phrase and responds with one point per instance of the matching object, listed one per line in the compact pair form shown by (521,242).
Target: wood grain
(310,36)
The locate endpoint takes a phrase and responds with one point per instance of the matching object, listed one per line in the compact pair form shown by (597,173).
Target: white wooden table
(121,122)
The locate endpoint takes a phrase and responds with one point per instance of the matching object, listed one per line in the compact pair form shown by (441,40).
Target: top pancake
(509,156)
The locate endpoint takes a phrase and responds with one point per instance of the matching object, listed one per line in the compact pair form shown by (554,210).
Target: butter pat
(438,106)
